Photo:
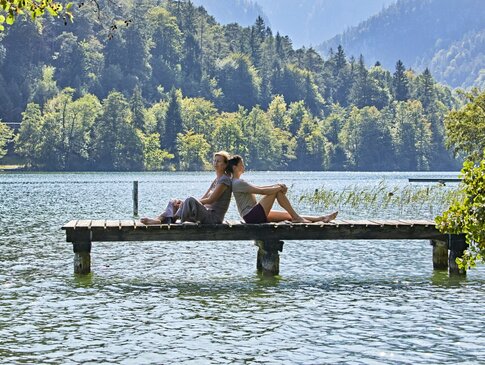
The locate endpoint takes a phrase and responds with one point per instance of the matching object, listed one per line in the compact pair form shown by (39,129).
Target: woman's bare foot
(328,218)
(150,221)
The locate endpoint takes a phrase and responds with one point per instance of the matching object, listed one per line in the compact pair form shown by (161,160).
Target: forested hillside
(242,12)
(444,35)
(173,86)
(306,22)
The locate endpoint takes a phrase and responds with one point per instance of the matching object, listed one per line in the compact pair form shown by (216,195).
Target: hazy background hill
(243,12)
(306,22)
(448,36)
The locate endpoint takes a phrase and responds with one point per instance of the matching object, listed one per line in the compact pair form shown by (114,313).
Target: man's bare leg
(150,221)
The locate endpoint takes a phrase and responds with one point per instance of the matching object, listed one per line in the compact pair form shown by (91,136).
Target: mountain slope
(418,32)
(306,22)
(243,12)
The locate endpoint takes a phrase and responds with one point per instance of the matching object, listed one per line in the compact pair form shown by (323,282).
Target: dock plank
(98,223)
(83,223)
(113,223)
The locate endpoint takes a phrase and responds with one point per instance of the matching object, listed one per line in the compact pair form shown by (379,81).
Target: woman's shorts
(256,215)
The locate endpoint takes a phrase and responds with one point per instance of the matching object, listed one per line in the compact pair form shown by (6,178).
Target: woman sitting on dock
(210,209)
(253,211)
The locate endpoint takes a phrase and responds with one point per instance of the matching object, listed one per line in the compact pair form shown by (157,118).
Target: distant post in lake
(135,199)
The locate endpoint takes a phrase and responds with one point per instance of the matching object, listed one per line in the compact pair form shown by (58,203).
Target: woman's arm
(206,194)
(216,194)
(264,190)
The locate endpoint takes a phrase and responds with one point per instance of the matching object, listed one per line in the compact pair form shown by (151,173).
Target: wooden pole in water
(440,254)
(82,257)
(458,245)
(268,261)
(135,199)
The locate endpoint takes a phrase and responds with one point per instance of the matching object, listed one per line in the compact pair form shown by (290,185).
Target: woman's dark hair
(233,161)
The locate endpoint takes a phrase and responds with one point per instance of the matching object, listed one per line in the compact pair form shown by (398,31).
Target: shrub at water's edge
(465,131)
(467,215)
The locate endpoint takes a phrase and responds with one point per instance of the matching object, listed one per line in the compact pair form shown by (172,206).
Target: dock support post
(440,254)
(135,199)
(268,261)
(82,257)
(458,245)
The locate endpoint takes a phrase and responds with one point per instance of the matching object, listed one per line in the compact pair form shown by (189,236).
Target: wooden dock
(269,236)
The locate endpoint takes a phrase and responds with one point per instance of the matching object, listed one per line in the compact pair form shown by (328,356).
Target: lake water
(335,302)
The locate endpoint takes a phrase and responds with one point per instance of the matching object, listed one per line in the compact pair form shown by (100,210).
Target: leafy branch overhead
(12,9)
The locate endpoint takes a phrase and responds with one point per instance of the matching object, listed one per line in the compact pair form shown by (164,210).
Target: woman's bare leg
(267,202)
(295,217)
(279,216)
(286,205)
(324,218)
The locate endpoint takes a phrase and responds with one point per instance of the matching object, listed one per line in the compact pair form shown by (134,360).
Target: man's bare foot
(150,221)
(300,220)
(328,218)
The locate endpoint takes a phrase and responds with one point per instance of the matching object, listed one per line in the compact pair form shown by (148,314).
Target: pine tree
(342,80)
(426,91)
(258,34)
(400,83)
(173,123)
(137,109)
(360,92)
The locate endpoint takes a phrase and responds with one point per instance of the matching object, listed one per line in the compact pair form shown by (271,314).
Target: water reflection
(441,278)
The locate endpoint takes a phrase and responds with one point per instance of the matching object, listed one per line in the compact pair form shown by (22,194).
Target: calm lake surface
(336,302)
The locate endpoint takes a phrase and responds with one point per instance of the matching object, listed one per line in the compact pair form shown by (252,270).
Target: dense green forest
(169,86)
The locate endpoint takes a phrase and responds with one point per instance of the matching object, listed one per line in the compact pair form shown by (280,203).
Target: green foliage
(400,82)
(239,82)
(116,145)
(27,141)
(6,135)
(46,87)
(366,140)
(154,158)
(193,150)
(11,9)
(412,136)
(465,128)
(467,215)
(228,135)
(198,115)
(173,122)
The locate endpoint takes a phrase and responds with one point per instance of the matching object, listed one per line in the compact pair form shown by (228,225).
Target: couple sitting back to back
(213,205)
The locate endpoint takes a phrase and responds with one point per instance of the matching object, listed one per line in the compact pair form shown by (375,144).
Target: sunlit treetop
(10,10)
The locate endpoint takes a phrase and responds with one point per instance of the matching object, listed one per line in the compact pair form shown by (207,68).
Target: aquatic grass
(384,200)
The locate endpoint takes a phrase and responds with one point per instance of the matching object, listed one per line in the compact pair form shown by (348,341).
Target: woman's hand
(284,188)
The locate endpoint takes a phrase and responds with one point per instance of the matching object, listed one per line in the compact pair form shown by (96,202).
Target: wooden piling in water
(135,199)
(82,257)
(457,244)
(268,260)
(440,254)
